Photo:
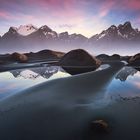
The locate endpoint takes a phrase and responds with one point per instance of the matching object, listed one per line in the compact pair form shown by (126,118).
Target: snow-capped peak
(48,32)
(26,29)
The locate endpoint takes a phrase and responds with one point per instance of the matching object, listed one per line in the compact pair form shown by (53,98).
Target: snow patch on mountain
(122,32)
(26,29)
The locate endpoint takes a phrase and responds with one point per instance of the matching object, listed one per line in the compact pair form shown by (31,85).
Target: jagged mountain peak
(64,35)
(12,30)
(26,29)
(113,27)
(45,28)
(27,25)
(127,24)
(45,36)
(122,32)
(23,30)
(47,32)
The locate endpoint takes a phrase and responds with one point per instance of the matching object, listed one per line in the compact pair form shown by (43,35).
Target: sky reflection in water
(126,84)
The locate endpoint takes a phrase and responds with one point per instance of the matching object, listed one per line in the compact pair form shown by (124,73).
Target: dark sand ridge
(59,109)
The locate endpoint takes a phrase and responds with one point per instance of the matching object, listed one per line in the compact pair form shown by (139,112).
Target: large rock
(115,57)
(79,61)
(135,60)
(19,57)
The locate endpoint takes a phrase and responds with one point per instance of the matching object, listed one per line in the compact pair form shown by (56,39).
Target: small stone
(99,127)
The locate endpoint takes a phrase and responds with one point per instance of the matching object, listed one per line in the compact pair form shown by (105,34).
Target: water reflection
(126,90)
(126,84)
(33,73)
(69,105)
(125,73)
(14,81)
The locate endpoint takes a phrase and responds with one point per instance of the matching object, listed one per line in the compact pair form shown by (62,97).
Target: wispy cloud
(105,8)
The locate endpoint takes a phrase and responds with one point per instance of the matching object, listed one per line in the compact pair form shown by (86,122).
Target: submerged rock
(98,130)
(79,61)
(99,127)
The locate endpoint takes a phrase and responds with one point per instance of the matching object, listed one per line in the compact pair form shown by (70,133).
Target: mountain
(28,38)
(43,32)
(123,32)
(22,30)
(26,29)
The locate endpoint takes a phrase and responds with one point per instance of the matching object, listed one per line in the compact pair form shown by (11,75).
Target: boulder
(135,60)
(79,61)
(19,57)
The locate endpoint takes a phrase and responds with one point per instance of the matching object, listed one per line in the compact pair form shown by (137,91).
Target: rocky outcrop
(19,57)
(45,55)
(115,57)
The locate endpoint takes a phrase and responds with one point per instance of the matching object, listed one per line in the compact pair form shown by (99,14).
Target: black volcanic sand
(63,109)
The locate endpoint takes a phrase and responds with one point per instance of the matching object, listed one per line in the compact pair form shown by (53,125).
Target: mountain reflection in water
(16,80)
(127,80)
(125,73)
(33,73)
(125,86)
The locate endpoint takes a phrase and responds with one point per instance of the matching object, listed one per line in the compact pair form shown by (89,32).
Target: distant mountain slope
(123,32)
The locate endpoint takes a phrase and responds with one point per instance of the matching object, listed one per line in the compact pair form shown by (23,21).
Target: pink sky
(81,16)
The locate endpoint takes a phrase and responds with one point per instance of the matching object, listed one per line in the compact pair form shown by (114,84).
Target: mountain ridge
(127,25)
(29,37)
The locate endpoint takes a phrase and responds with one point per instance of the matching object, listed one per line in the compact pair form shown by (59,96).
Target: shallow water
(127,81)
(125,85)
(14,81)
(63,108)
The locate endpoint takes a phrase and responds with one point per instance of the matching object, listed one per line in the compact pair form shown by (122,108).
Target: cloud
(87,16)
(106,7)
(133,4)
(4,15)
(69,26)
